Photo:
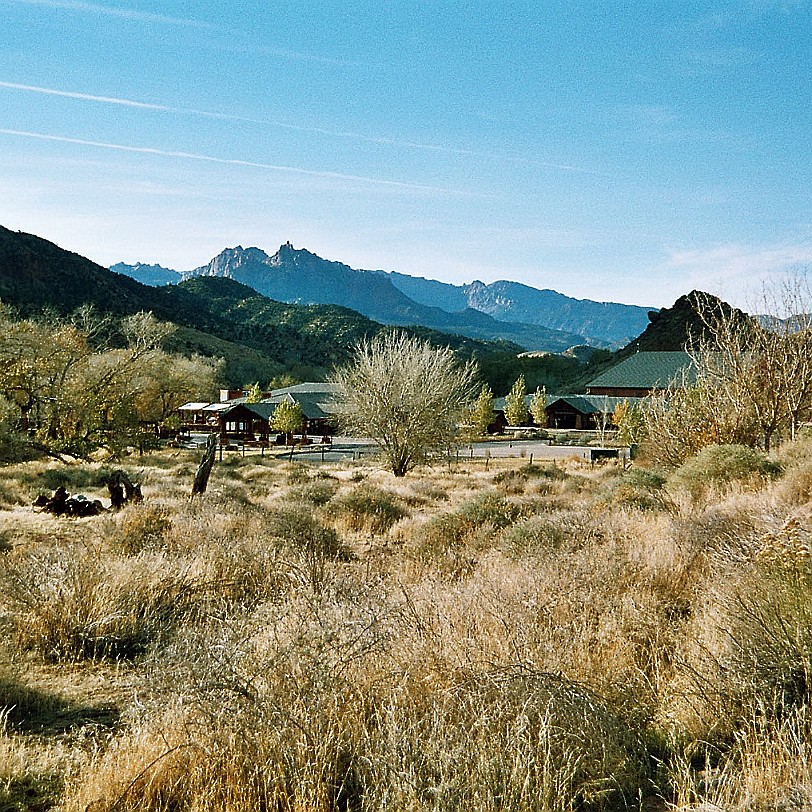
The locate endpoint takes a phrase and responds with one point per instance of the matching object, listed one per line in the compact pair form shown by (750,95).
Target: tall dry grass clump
(306,707)
(511,637)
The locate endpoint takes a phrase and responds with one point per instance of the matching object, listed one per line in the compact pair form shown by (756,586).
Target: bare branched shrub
(748,654)
(407,395)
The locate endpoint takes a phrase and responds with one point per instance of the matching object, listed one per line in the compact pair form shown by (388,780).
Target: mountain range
(218,317)
(260,338)
(533,318)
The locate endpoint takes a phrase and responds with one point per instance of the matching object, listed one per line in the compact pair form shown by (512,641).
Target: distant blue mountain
(595,322)
(535,319)
(153,275)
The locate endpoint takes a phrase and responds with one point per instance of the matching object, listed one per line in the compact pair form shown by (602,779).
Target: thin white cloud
(347,134)
(67,94)
(111,11)
(133,15)
(736,272)
(192,156)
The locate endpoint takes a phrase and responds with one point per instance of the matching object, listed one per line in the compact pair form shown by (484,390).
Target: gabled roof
(320,388)
(194,406)
(591,404)
(585,404)
(220,406)
(260,410)
(645,370)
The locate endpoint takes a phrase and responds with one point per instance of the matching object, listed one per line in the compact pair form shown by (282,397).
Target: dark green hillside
(36,274)
(314,335)
(257,337)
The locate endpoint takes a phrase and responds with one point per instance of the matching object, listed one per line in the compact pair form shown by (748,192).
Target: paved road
(353,448)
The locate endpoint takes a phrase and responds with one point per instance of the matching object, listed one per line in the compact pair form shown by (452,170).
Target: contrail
(67,94)
(122,13)
(370,139)
(318,173)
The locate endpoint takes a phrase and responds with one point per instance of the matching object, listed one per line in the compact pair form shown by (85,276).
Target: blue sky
(613,151)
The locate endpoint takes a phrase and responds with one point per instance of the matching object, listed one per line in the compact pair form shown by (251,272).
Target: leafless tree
(753,376)
(405,394)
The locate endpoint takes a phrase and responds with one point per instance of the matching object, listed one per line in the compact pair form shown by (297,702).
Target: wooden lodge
(236,420)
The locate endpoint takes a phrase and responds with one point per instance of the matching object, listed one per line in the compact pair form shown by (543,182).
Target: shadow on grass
(30,793)
(31,711)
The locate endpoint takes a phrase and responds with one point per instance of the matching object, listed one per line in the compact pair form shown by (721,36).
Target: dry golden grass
(332,638)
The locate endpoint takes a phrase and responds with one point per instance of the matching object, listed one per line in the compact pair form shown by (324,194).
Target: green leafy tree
(283,381)
(515,406)
(538,407)
(481,414)
(287,419)
(254,394)
(405,394)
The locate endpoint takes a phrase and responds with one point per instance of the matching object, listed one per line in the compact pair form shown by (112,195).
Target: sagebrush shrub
(366,508)
(318,492)
(639,488)
(532,535)
(299,529)
(717,466)
(515,480)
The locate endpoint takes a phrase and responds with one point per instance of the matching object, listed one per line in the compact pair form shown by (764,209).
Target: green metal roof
(326,390)
(585,404)
(646,370)
(592,404)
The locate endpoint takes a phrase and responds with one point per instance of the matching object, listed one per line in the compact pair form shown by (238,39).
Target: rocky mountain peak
(288,255)
(230,260)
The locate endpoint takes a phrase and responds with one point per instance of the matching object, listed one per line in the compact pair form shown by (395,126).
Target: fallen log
(62,504)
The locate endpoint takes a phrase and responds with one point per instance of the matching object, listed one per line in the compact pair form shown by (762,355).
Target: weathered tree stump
(204,469)
(123,490)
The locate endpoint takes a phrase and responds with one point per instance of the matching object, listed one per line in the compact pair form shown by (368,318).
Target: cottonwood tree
(480,415)
(254,394)
(630,423)
(515,406)
(84,382)
(405,394)
(169,381)
(287,419)
(538,407)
